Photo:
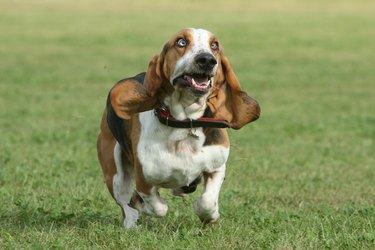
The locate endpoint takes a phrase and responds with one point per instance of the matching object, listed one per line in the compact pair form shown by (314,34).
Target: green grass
(300,177)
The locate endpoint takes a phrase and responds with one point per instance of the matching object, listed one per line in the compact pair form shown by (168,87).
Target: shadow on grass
(25,215)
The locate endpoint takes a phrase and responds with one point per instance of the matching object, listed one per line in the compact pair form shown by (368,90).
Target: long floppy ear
(138,94)
(153,79)
(229,102)
(129,97)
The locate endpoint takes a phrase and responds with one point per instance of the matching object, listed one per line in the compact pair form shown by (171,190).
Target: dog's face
(191,60)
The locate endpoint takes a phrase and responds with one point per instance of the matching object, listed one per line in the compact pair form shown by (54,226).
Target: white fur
(183,105)
(170,157)
(122,188)
(207,207)
(153,204)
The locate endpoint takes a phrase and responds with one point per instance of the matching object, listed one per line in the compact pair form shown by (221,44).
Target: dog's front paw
(131,218)
(157,209)
(153,205)
(207,210)
(130,224)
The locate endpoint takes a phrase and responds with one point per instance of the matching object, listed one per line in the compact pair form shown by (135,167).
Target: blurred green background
(300,177)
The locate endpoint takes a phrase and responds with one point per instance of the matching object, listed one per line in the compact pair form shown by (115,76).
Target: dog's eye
(181,43)
(215,46)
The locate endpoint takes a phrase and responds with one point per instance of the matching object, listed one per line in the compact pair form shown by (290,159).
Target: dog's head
(193,62)
(189,60)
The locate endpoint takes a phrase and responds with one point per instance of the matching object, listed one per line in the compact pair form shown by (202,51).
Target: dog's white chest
(171,157)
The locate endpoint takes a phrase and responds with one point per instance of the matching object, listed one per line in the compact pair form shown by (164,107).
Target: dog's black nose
(205,61)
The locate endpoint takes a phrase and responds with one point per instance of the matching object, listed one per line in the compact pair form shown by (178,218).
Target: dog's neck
(183,104)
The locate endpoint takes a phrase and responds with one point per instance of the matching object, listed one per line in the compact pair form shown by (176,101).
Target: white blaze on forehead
(201,41)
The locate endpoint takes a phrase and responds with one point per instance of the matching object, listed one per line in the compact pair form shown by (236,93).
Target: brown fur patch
(216,136)
(105,147)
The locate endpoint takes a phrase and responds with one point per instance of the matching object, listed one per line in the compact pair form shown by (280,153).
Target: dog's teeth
(209,82)
(193,81)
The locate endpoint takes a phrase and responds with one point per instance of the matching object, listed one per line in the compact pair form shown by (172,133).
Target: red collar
(205,122)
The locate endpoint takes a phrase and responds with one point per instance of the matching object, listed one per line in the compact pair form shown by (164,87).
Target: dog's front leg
(152,204)
(147,199)
(207,206)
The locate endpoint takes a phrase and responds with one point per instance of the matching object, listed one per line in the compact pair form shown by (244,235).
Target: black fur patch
(192,186)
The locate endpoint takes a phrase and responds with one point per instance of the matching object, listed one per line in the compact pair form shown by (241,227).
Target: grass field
(301,177)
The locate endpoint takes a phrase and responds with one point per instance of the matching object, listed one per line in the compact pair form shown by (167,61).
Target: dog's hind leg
(122,188)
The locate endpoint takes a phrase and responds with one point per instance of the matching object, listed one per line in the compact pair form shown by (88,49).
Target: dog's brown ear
(229,102)
(153,78)
(131,96)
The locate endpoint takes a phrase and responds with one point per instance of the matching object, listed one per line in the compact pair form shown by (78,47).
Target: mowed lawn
(302,176)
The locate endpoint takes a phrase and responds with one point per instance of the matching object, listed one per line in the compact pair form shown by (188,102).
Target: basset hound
(166,128)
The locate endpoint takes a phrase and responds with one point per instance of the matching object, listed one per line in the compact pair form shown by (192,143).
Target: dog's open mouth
(197,83)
